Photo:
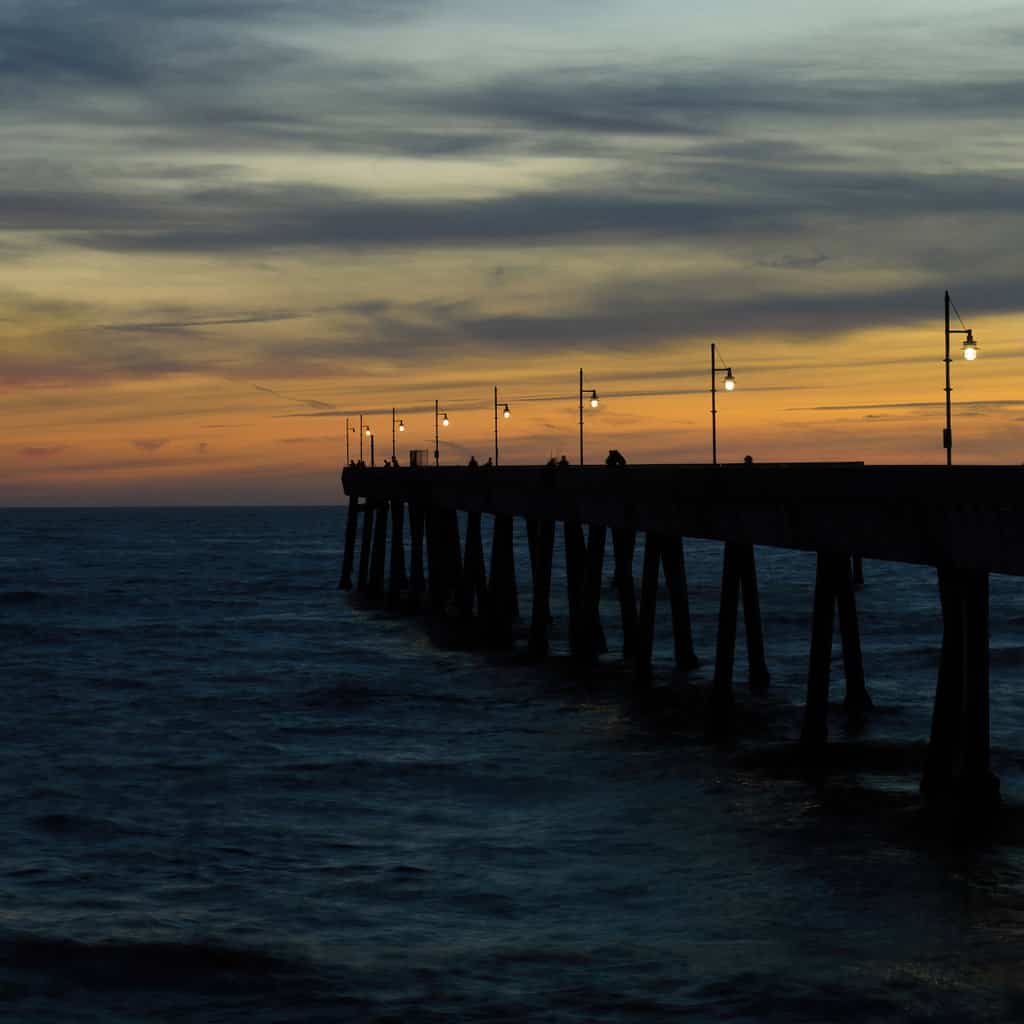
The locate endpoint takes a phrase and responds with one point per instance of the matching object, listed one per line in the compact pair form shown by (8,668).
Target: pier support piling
(593,638)
(417,581)
(673,563)
(541,535)
(397,579)
(380,541)
(351,526)
(957,767)
(833,585)
(624,544)
(575,571)
(503,596)
(473,593)
(648,607)
(365,548)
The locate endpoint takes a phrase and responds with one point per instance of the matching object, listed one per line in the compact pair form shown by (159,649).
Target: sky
(230,228)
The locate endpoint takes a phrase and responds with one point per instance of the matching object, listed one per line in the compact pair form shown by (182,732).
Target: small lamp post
(506,413)
(437,440)
(729,383)
(970,351)
(369,434)
(348,430)
(593,405)
(401,430)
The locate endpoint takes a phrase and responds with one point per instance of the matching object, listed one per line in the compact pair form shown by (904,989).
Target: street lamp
(369,434)
(730,384)
(970,350)
(593,405)
(348,430)
(401,430)
(506,413)
(437,444)
(360,437)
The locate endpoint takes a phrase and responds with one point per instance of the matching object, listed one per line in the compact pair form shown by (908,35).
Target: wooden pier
(966,521)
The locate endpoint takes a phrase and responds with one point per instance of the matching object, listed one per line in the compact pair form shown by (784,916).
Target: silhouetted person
(748,460)
(563,461)
(489,462)
(615,458)
(473,464)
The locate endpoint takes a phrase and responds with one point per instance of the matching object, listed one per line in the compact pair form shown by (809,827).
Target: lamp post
(593,405)
(970,351)
(730,383)
(369,434)
(506,413)
(360,437)
(401,430)
(348,430)
(437,442)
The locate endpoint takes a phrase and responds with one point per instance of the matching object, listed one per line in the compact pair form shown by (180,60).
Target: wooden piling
(857,700)
(351,526)
(473,592)
(624,544)
(957,769)
(397,579)
(417,581)
(725,645)
(648,607)
(674,565)
(814,733)
(757,668)
(541,554)
(380,540)
(365,547)
(575,569)
(503,595)
(592,634)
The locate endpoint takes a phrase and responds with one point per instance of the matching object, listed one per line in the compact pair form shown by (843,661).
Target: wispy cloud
(42,452)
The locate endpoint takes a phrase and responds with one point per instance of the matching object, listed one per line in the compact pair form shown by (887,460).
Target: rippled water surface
(230,793)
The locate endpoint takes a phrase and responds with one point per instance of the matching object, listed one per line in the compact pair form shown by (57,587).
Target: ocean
(231,792)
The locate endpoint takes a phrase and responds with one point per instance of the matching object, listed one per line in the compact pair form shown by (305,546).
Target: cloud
(311,402)
(42,452)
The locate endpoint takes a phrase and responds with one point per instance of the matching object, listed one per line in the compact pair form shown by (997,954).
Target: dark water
(230,795)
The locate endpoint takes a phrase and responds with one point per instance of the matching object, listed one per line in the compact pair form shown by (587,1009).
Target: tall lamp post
(730,383)
(348,430)
(593,405)
(369,434)
(506,413)
(360,437)
(970,350)
(437,440)
(401,430)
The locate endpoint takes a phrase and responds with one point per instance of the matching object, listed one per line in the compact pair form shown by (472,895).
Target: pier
(965,521)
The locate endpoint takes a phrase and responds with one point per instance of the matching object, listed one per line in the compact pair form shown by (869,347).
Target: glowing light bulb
(506,413)
(593,400)
(444,419)
(970,349)
(368,431)
(730,380)
(401,426)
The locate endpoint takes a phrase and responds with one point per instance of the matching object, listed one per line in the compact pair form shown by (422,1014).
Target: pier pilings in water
(966,521)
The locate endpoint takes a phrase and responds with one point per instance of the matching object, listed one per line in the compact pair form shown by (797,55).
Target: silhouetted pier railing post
(966,521)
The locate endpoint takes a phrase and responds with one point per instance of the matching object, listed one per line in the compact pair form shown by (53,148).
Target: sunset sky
(226,225)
